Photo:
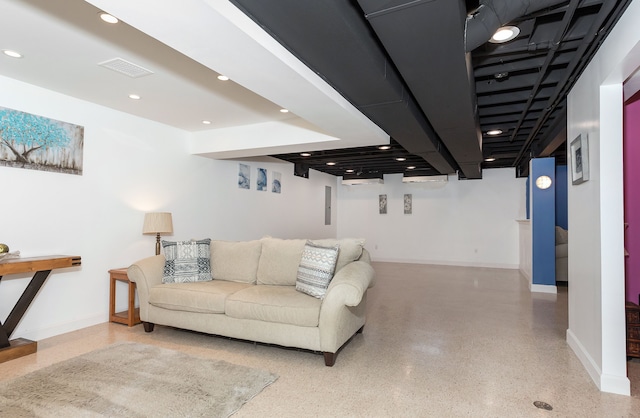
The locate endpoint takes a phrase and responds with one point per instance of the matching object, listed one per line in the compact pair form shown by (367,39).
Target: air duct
(492,14)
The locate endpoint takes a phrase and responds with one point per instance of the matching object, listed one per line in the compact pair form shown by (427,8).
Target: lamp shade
(157,223)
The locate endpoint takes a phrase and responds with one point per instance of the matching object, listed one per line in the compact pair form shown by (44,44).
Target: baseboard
(39,334)
(606,383)
(447,263)
(543,288)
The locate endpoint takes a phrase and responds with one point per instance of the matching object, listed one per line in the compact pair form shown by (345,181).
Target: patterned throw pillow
(316,269)
(187,261)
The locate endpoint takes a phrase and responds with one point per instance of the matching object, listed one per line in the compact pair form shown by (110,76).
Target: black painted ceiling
(425,73)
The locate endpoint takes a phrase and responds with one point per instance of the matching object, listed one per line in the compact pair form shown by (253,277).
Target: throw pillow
(316,269)
(187,261)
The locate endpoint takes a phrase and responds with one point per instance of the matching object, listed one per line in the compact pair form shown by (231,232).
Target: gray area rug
(133,380)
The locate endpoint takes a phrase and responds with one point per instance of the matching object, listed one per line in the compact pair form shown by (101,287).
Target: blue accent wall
(561,197)
(543,221)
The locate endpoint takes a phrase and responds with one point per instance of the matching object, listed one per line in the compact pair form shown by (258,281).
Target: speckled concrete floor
(439,342)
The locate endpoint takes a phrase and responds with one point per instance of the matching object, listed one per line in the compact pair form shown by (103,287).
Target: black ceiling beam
(435,67)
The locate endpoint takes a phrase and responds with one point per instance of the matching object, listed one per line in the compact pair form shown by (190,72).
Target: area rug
(133,380)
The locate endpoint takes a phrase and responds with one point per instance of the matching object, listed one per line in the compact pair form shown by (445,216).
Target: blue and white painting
(38,143)
(261,182)
(276,185)
(244,176)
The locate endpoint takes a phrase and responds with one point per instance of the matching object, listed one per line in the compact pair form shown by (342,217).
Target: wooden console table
(42,266)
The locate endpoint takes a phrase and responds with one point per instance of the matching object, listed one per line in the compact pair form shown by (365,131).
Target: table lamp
(157,223)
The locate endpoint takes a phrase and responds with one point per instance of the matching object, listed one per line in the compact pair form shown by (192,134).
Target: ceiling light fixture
(490,159)
(494,132)
(284,110)
(223,78)
(134,97)
(331,163)
(384,147)
(411,167)
(401,159)
(12,54)
(108,18)
(305,154)
(206,122)
(350,170)
(505,34)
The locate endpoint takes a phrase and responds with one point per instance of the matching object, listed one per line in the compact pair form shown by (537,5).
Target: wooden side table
(131,316)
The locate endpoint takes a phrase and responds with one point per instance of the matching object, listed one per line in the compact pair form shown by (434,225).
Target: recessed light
(12,54)
(284,110)
(490,159)
(206,122)
(305,154)
(384,147)
(505,34)
(331,163)
(108,18)
(223,78)
(494,132)
(134,97)
(411,167)
(350,170)
(401,159)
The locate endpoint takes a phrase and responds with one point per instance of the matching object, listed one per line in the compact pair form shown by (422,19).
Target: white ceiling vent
(125,67)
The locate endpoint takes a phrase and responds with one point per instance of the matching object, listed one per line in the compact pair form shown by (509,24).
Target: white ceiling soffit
(218,35)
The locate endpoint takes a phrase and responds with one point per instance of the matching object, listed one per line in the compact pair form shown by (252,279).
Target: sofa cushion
(350,249)
(186,261)
(279,261)
(316,269)
(280,304)
(235,261)
(203,297)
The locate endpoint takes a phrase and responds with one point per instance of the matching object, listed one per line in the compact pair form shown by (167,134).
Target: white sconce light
(543,182)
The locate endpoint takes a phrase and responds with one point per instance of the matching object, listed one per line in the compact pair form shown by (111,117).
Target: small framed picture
(382,203)
(579,150)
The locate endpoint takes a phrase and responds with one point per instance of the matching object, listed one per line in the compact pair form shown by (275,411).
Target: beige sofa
(253,295)
(562,255)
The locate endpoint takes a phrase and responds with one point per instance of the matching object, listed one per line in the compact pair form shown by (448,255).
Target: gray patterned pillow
(187,261)
(316,269)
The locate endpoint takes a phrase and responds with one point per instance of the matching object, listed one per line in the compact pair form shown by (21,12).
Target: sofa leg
(148,326)
(360,330)
(330,359)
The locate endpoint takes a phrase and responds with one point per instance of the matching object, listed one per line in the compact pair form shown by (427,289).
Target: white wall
(131,166)
(596,262)
(458,222)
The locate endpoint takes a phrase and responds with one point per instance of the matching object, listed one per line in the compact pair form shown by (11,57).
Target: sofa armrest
(343,308)
(350,283)
(146,273)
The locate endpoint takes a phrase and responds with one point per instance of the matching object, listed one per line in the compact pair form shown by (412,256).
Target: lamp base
(158,244)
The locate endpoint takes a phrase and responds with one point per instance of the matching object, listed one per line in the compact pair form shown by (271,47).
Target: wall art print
(382,204)
(276,185)
(38,143)
(261,181)
(408,204)
(579,149)
(244,176)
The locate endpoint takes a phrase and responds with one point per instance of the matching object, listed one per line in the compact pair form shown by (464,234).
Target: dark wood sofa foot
(330,359)
(148,326)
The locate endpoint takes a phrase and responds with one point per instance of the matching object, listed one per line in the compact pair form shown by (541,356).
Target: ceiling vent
(424,179)
(125,67)
(356,182)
